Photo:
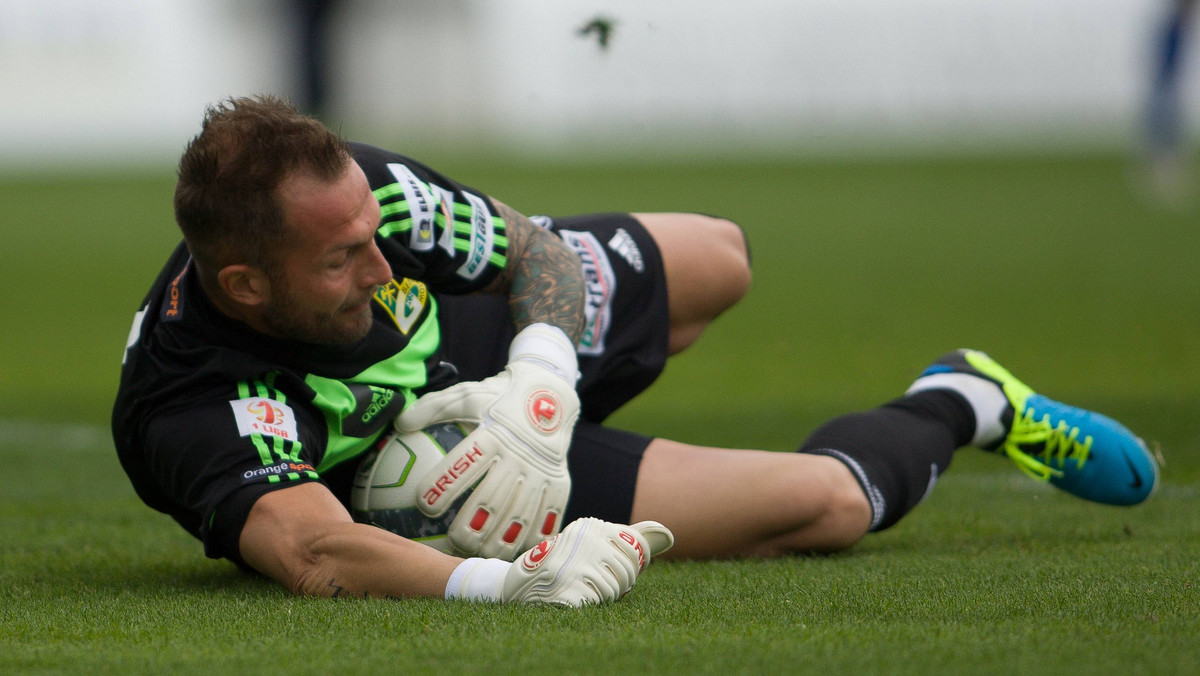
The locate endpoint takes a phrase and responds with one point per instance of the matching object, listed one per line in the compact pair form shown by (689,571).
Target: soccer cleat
(1084,453)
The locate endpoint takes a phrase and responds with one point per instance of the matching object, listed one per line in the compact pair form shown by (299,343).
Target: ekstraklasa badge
(260,415)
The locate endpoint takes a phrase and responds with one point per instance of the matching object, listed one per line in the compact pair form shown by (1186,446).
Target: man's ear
(244,284)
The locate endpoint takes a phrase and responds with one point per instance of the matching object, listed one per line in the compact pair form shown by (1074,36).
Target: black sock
(897,451)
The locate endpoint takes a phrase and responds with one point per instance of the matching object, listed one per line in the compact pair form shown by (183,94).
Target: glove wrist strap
(548,346)
(478,579)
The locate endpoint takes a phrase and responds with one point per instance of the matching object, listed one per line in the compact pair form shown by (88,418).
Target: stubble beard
(285,317)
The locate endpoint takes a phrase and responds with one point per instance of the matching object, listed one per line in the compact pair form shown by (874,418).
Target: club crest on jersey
(404,301)
(545,410)
(260,415)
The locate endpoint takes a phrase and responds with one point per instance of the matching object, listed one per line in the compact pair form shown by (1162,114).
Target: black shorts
(623,350)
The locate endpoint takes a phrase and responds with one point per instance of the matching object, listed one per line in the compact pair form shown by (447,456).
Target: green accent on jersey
(279,448)
(499,240)
(393,208)
(264,454)
(497,259)
(395,218)
(389,229)
(403,371)
(389,190)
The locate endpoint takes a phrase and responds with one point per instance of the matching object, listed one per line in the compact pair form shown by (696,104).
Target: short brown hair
(225,198)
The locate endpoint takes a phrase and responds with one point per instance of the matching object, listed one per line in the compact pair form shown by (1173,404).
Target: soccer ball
(385,493)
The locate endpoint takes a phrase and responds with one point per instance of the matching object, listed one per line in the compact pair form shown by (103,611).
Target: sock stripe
(874,495)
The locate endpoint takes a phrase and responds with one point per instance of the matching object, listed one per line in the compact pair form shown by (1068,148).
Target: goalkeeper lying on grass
(327,290)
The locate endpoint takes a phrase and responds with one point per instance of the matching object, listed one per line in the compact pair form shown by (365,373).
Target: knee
(706,264)
(730,256)
(839,512)
(847,517)
(708,268)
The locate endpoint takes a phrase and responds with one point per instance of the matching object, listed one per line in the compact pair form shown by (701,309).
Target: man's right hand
(590,562)
(515,458)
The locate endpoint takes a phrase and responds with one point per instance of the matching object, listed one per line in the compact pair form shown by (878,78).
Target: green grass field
(865,271)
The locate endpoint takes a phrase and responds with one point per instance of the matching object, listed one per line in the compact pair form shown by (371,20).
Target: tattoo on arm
(338,589)
(543,278)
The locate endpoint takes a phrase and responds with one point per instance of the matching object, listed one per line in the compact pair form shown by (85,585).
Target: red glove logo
(534,557)
(545,411)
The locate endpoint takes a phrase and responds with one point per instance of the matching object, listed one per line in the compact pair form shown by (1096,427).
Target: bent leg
(730,503)
(707,266)
(856,473)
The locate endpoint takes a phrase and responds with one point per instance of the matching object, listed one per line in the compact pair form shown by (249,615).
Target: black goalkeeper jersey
(208,407)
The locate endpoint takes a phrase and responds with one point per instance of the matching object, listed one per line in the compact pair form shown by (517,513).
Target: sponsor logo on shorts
(622,242)
(260,415)
(278,469)
(600,287)
(404,300)
(545,410)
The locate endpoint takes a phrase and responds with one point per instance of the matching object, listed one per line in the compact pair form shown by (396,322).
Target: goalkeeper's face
(321,289)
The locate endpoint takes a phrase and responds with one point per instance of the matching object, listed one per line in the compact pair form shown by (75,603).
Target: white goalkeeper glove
(591,561)
(517,453)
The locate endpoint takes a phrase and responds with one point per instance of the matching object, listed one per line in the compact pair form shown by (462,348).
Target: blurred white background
(126,81)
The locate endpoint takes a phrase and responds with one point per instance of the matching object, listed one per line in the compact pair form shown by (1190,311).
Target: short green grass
(864,272)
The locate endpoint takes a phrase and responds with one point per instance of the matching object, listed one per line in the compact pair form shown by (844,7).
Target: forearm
(345,559)
(362,561)
(544,279)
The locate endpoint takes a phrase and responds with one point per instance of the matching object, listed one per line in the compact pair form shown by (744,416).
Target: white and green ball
(385,493)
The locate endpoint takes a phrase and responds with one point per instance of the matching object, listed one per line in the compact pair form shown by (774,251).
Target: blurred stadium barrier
(118,81)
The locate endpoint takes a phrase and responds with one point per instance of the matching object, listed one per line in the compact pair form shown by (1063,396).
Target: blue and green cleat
(1084,453)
